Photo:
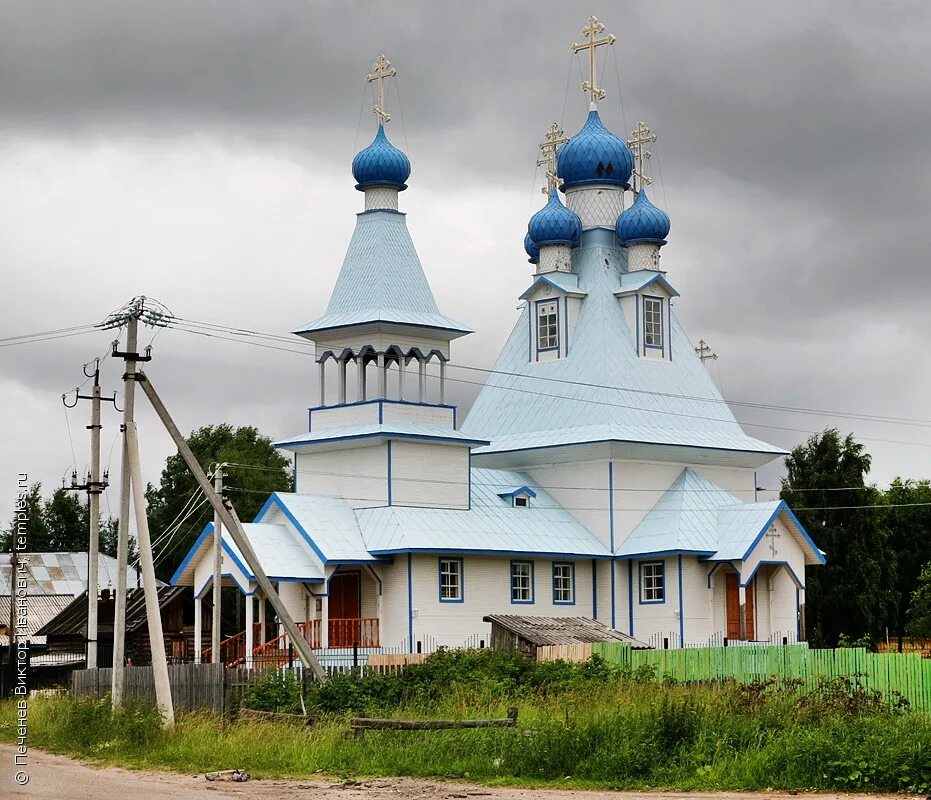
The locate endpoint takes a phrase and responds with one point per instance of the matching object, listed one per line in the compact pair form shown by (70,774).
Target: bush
(274,691)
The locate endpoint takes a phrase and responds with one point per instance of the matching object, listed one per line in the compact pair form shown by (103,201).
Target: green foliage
(577,728)
(267,472)
(910,541)
(853,593)
(919,609)
(60,523)
(865,641)
(275,691)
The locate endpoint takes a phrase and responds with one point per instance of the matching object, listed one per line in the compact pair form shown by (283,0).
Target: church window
(652,582)
(521,501)
(521,581)
(548,325)
(653,322)
(563,583)
(450,580)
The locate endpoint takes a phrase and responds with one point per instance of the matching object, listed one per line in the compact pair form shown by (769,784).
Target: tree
(910,540)
(919,609)
(826,487)
(177,514)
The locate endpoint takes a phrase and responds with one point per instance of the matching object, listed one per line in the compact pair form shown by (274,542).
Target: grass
(580,727)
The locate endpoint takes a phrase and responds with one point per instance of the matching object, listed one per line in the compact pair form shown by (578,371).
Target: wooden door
(732,599)
(345,604)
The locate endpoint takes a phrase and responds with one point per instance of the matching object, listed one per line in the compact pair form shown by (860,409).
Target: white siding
(429,475)
(415,412)
(581,489)
(359,474)
(203,570)
(782,547)
(337,416)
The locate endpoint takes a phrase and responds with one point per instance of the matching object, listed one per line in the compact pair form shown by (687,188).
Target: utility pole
(218,473)
(94,486)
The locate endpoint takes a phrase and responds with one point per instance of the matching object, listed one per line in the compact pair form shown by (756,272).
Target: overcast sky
(199,153)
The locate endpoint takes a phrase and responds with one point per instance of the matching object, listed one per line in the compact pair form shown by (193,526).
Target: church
(599,473)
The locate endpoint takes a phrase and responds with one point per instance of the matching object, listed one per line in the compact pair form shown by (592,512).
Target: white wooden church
(599,473)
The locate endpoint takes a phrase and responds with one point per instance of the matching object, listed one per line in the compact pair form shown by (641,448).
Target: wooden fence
(906,673)
(193,686)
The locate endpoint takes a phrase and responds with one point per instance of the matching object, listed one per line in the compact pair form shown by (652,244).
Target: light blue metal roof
(602,390)
(567,282)
(636,281)
(326,524)
(381,280)
(386,430)
(695,515)
(492,524)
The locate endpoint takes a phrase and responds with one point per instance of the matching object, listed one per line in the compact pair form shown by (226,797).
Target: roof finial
(381,71)
(592,30)
(641,135)
(551,141)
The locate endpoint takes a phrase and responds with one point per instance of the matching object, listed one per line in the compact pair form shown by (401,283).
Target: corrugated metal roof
(602,389)
(62,573)
(373,430)
(40,609)
(381,280)
(542,631)
(491,525)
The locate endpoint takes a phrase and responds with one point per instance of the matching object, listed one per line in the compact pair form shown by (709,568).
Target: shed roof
(72,620)
(540,631)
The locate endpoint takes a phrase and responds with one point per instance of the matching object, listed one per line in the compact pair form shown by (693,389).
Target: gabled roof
(697,516)
(567,282)
(491,525)
(381,280)
(641,279)
(602,385)
(282,554)
(62,573)
(327,525)
(384,430)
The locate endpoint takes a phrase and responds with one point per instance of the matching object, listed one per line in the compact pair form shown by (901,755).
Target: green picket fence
(906,673)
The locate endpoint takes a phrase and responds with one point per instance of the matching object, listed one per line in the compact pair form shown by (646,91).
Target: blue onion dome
(531,249)
(643,222)
(381,164)
(555,224)
(594,155)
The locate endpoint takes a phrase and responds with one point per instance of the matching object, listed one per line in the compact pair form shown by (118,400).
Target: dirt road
(59,778)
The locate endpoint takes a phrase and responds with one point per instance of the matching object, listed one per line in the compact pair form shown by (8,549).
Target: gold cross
(592,30)
(641,136)
(381,71)
(551,141)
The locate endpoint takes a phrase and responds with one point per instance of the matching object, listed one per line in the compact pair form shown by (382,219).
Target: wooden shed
(528,634)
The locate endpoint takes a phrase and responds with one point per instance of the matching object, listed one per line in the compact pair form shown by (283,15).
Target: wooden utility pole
(94,486)
(217,567)
(237,533)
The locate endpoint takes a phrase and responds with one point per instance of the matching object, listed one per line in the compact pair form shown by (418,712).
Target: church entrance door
(733,608)
(345,609)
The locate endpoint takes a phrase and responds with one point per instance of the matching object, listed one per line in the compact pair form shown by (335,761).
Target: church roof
(695,515)
(601,390)
(491,525)
(640,279)
(567,282)
(382,280)
(384,430)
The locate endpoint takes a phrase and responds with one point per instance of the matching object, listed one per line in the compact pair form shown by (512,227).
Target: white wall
(429,475)
(359,474)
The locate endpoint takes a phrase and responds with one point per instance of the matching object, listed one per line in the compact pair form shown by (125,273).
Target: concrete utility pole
(237,533)
(94,486)
(217,567)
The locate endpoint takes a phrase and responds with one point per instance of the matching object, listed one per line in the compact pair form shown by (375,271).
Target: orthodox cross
(381,71)
(641,136)
(705,352)
(548,147)
(592,30)
(773,535)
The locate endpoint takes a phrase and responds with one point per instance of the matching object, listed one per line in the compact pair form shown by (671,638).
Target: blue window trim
(532,599)
(536,320)
(439,580)
(565,322)
(637,314)
(640,566)
(662,345)
(571,565)
(529,331)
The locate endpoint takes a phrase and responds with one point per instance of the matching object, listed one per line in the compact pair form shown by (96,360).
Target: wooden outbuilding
(528,634)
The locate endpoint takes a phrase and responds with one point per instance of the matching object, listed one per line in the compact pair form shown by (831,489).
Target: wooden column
(742,597)
(382,376)
(250,643)
(198,629)
(325,619)
(422,380)
(321,371)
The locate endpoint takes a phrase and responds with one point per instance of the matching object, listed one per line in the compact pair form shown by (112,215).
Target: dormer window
(653,322)
(521,501)
(518,496)
(547,325)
